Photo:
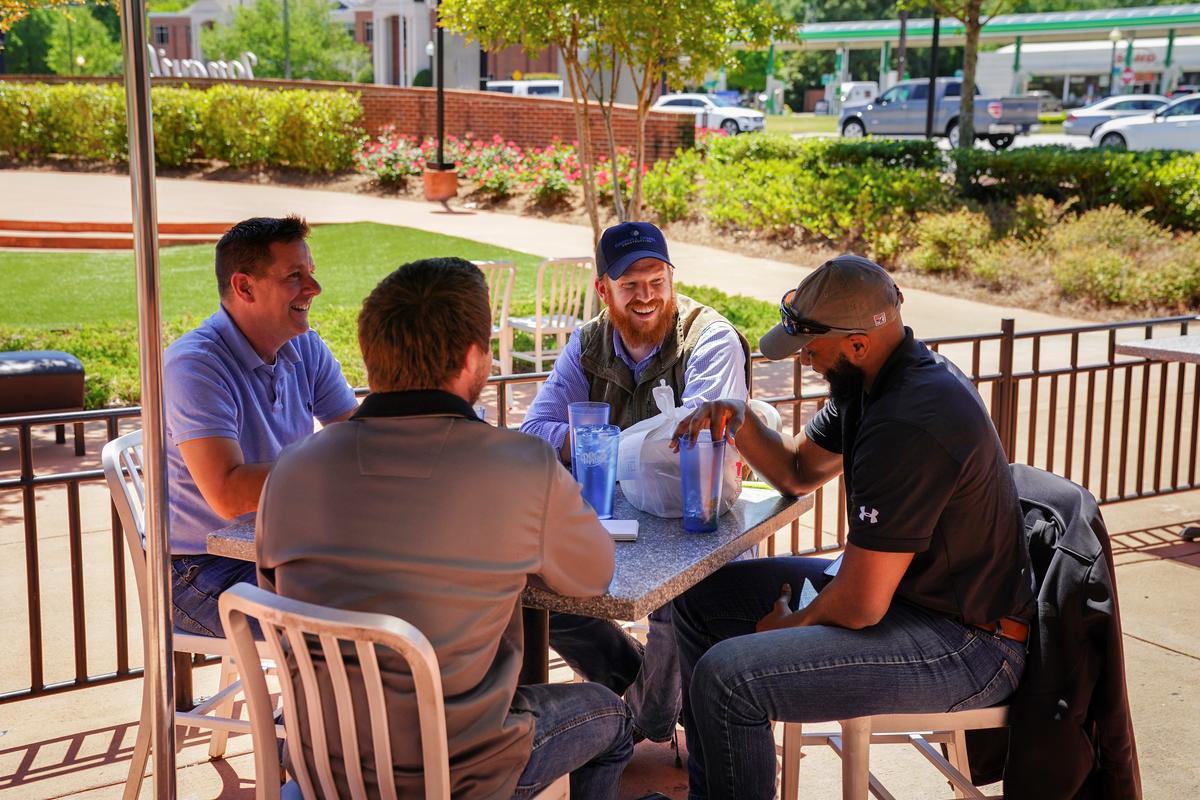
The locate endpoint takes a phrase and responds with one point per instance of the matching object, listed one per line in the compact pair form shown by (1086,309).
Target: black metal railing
(1061,399)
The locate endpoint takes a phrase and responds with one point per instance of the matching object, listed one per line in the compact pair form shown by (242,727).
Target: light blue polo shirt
(215,384)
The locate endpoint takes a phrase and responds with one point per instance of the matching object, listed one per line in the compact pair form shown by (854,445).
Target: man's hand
(781,615)
(724,418)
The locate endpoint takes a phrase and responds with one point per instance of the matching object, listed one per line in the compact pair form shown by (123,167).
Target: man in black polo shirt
(926,612)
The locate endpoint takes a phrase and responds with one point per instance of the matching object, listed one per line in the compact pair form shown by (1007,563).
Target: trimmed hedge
(823,153)
(314,131)
(1164,183)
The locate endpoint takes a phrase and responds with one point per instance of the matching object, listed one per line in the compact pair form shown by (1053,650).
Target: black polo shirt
(925,473)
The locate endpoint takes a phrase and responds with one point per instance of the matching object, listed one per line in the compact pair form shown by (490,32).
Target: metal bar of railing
(993,373)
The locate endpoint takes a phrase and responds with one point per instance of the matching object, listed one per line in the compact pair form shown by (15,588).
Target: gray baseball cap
(847,294)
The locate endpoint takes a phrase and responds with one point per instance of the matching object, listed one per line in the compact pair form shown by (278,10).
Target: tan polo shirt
(415,509)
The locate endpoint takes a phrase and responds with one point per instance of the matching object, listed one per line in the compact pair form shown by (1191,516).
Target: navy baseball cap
(621,245)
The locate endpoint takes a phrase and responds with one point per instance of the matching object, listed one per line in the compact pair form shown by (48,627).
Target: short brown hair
(415,327)
(246,247)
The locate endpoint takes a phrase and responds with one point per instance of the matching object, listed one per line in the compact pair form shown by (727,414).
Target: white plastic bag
(649,470)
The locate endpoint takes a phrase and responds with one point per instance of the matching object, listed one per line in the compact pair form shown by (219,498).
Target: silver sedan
(1084,121)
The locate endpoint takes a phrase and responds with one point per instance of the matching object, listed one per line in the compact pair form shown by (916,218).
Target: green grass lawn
(801,123)
(85,303)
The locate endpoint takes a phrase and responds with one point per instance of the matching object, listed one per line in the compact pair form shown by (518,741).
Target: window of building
(161,34)
(368,32)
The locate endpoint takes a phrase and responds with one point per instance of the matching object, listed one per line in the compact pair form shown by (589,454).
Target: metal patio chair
(564,302)
(500,275)
(287,623)
(122,462)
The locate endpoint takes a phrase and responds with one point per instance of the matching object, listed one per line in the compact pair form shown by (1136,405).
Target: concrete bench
(42,381)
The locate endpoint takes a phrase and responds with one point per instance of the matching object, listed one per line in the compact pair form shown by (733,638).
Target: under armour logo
(872,515)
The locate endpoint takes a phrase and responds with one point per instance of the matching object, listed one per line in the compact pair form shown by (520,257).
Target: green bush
(315,131)
(1007,264)
(177,120)
(848,206)
(948,242)
(823,153)
(1111,256)
(1163,182)
(670,185)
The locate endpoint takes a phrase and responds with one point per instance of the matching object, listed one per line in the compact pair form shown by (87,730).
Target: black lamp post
(440,183)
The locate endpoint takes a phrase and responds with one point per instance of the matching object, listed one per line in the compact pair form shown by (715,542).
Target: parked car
(532,88)
(901,110)
(1084,121)
(1175,126)
(712,112)
(1182,89)
(1047,102)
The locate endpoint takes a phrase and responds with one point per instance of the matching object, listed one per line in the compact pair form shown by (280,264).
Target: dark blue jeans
(648,678)
(736,682)
(579,728)
(196,583)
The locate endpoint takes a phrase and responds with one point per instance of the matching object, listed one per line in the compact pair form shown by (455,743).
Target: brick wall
(528,121)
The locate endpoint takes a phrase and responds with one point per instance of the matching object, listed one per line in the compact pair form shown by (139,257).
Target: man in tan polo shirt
(417,508)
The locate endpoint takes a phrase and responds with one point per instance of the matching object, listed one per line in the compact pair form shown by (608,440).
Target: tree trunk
(583,130)
(645,91)
(966,115)
(606,101)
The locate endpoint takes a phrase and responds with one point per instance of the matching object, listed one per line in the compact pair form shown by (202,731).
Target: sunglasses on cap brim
(795,325)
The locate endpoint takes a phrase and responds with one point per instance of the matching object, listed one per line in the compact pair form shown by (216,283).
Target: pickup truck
(901,110)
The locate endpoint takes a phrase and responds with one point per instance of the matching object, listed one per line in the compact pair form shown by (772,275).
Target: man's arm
(547,417)
(793,465)
(717,368)
(230,486)
(857,597)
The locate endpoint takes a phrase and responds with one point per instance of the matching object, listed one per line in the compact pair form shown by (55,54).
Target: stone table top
(664,562)
(1171,348)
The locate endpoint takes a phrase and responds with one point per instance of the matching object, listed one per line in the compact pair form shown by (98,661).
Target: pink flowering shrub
(494,168)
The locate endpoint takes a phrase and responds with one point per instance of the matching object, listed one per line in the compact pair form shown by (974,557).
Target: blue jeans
(736,684)
(196,583)
(579,728)
(648,677)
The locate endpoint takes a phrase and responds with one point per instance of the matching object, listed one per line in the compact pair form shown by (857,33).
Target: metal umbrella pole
(145,248)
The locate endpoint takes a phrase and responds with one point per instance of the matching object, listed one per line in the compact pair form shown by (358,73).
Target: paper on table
(808,593)
(621,530)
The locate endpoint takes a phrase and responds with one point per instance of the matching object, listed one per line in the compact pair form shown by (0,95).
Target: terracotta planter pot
(440,184)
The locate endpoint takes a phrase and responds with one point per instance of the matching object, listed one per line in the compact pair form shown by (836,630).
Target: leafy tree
(80,44)
(318,48)
(26,45)
(601,41)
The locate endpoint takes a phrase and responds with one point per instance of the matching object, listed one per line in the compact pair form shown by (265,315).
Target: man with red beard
(645,334)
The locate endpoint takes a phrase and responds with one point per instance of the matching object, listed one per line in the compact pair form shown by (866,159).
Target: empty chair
(923,731)
(338,634)
(122,462)
(564,302)
(499,275)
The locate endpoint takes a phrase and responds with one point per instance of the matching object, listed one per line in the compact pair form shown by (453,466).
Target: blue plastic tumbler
(700,468)
(584,413)
(595,461)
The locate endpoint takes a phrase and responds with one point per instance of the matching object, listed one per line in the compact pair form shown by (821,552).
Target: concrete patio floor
(78,744)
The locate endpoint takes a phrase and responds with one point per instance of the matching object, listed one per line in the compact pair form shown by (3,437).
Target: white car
(712,112)
(1175,126)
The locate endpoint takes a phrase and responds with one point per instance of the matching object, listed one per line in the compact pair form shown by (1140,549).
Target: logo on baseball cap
(847,294)
(621,245)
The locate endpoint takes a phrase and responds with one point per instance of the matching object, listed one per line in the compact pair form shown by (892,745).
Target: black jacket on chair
(1070,734)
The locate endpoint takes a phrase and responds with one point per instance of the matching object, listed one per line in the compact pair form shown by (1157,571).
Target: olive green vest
(610,380)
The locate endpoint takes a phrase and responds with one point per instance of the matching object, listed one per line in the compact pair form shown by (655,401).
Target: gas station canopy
(1058,26)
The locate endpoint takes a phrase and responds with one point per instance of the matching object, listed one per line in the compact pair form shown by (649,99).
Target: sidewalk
(90,197)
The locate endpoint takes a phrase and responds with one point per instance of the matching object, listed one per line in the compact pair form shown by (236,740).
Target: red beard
(635,332)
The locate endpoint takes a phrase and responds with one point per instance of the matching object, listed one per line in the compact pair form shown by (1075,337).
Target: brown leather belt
(1009,628)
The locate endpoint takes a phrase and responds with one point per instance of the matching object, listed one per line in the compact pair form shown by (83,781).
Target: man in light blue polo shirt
(237,390)
(645,334)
